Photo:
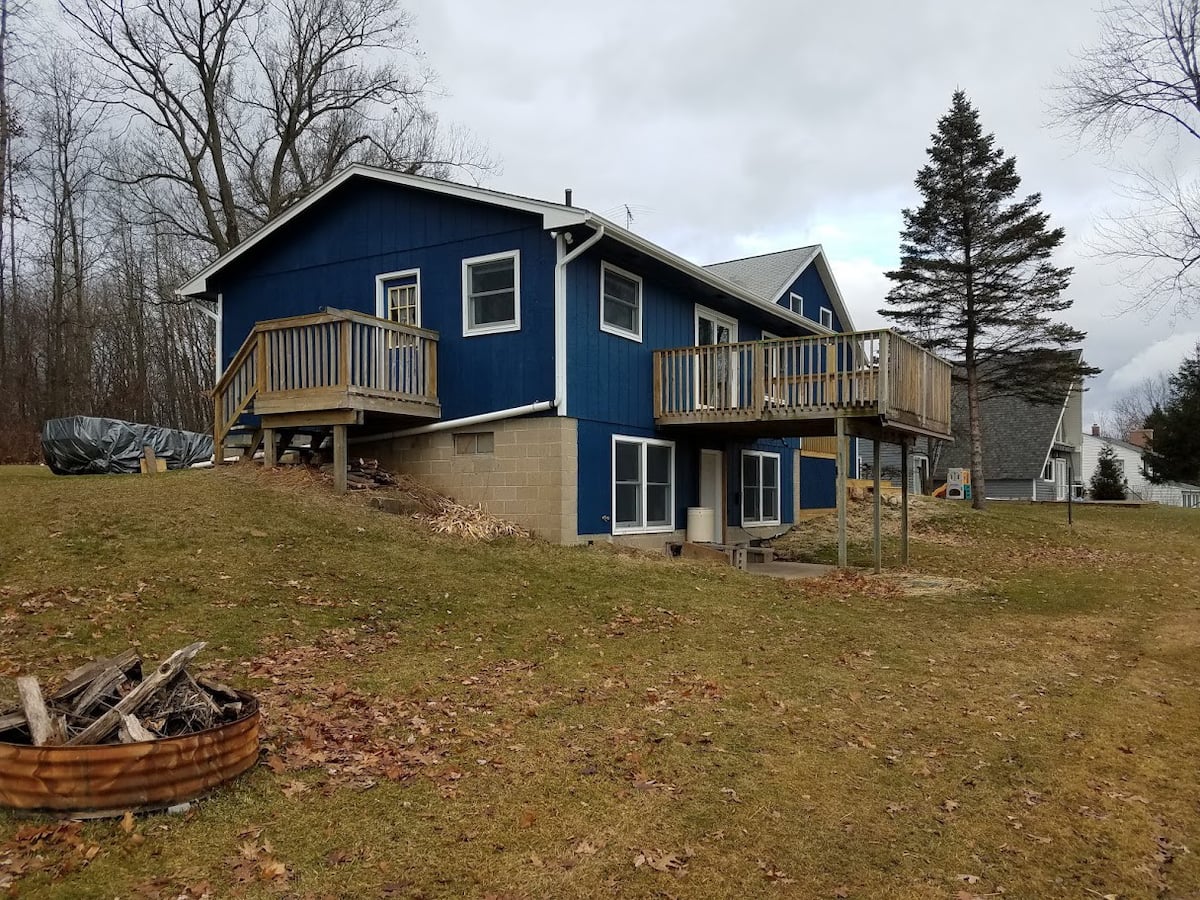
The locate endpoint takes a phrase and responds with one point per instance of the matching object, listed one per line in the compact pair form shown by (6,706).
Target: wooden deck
(330,368)
(877,380)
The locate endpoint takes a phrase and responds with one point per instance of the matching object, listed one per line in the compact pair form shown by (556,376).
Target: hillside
(512,719)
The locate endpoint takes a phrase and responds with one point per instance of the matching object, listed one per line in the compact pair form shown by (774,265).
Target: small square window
(473,442)
(492,293)
(620,302)
(827,318)
(796,304)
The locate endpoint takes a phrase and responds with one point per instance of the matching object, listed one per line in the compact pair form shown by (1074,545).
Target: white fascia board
(629,239)
(554,215)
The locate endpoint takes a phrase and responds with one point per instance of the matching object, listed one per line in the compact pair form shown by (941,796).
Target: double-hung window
(492,293)
(643,485)
(760,488)
(620,302)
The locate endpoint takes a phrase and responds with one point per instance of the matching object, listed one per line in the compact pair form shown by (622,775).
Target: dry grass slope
(510,719)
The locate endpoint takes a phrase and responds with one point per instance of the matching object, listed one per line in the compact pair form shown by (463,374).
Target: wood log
(131,702)
(82,676)
(12,719)
(44,730)
(217,688)
(107,680)
(131,730)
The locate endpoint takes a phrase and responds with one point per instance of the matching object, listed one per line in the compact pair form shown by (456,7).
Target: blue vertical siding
(818,483)
(811,287)
(330,255)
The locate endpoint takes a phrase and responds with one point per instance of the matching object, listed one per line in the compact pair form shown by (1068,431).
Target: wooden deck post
(270,457)
(878,508)
(339,458)
(904,501)
(843,460)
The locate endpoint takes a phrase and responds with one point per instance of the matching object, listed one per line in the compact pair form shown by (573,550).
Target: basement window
(643,498)
(468,443)
(760,488)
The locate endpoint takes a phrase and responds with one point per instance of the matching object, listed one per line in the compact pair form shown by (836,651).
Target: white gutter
(466,421)
(560,312)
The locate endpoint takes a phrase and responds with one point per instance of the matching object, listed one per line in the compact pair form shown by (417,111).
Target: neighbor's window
(760,488)
(643,485)
(492,293)
(469,442)
(826,317)
(620,302)
(1048,472)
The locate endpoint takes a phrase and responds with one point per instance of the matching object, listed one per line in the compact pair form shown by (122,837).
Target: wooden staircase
(326,370)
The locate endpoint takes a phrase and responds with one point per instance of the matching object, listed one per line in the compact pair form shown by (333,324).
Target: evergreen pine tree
(1108,481)
(1175,427)
(976,281)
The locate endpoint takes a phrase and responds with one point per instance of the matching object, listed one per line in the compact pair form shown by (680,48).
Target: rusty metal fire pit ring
(93,780)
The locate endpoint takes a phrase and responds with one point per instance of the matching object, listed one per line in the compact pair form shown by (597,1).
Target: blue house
(538,359)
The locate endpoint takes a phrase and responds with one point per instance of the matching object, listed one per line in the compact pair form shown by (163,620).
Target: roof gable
(771,275)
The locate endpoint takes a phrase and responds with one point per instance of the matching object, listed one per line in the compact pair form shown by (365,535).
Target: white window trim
(641,529)
(754,523)
(605,268)
(515,325)
(381,304)
(796,300)
(821,317)
(716,317)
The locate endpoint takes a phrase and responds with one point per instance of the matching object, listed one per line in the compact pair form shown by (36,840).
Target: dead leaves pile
(356,739)
(667,862)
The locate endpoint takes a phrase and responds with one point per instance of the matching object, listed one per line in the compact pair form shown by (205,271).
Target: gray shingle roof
(766,275)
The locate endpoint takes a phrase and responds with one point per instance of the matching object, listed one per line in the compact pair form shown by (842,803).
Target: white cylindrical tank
(700,524)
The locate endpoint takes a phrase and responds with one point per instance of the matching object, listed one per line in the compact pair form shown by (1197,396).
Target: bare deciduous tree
(1143,78)
(240,108)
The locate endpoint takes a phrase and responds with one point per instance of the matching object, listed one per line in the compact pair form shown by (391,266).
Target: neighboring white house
(1129,457)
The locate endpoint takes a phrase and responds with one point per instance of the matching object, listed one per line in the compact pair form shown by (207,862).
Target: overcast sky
(738,128)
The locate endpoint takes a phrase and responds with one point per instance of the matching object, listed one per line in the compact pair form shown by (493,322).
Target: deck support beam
(905,476)
(843,460)
(877,504)
(339,458)
(270,454)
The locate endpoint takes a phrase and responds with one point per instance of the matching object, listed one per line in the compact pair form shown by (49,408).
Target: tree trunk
(976,425)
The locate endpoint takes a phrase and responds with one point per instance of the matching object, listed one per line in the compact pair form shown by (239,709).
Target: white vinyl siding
(620,302)
(643,479)
(492,293)
(760,488)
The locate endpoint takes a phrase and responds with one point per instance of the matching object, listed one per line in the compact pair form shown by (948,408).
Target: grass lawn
(445,718)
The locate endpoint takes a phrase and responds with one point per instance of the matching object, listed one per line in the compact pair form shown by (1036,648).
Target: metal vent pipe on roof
(568,196)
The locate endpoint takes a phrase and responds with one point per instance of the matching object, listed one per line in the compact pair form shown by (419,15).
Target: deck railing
(866,373)
(309,360)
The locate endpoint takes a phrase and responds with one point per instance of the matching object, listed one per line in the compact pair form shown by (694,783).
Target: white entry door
(1060,479)
(712,484)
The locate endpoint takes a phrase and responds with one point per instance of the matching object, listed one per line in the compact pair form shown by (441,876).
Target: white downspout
(465,422)
(560,312)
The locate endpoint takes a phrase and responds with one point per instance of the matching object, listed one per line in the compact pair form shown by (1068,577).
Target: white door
(716,372)
(712,466)
(1060,479)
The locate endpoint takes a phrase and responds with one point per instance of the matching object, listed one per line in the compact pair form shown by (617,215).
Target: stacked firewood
(364,474)
(367,473)
(110,701)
